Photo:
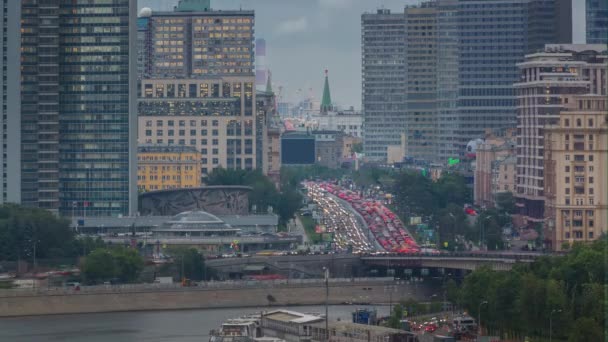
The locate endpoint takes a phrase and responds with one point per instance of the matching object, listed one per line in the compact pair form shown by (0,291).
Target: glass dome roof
(192,221)
(200,216)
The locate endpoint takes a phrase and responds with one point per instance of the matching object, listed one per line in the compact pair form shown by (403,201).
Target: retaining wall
(200,298)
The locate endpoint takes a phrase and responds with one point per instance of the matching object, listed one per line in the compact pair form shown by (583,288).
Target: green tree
(191,261)
(105,264)
(28,233)
(488,228)
(98,266)
(394,320)
(417,195)
(129,264)
(288,204)
(222,176)
(85,245)
(585,329)
(505,202)
(357,148)
(571,286)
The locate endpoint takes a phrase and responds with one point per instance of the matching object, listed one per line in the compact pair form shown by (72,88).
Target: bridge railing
(201,286)
(516,256)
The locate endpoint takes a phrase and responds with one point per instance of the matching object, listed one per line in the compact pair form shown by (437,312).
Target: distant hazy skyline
(305,37)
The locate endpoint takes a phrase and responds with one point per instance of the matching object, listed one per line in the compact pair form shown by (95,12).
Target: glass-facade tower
(457,60)
(78,123)
(10,131)
(597,21)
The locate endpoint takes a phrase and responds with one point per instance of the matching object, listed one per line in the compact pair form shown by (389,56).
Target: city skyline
(302,40)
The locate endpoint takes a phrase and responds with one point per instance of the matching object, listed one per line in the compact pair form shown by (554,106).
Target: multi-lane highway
(374,224)
(340,219)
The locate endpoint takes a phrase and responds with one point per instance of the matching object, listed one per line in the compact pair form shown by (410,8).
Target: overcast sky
(305,37)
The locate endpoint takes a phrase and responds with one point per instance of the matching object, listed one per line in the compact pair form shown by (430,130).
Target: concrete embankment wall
(197,298)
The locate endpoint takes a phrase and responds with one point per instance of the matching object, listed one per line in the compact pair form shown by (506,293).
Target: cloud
(292,26)
(334,3)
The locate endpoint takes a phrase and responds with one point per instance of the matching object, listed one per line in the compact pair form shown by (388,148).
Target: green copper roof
(326,100)
(269,82)
(193,6)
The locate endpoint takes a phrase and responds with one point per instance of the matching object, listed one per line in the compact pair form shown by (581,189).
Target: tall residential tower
(384,81)
(10,153)
(76,108)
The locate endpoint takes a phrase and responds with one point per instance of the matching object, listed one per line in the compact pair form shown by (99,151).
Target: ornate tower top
(326,100)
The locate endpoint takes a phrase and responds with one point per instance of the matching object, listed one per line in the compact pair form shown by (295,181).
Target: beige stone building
(576,161)
(494,168)
(546,77)
(213,115)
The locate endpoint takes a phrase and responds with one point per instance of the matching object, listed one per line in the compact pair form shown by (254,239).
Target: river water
(151,326)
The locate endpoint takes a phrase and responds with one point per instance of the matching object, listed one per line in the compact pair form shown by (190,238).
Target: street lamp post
(482,230)
(326,303)
(551,322)
(453,229)
(479,317)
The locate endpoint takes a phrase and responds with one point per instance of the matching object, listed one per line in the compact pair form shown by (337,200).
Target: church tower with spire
(326,100)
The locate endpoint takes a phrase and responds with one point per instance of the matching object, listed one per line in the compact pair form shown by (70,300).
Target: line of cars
(386,227)
(347,231)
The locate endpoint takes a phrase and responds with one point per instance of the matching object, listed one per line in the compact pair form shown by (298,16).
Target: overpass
(468,262)
(347,265)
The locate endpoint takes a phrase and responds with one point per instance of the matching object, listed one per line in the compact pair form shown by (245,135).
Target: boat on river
(242,329)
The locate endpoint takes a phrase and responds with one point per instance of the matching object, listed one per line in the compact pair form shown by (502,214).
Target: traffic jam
(348,232)
(387,229)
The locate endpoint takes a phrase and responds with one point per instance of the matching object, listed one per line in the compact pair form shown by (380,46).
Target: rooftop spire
(326,100)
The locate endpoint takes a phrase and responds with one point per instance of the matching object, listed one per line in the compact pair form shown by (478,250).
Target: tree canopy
(570,289)
(103,264)
(24,231)
(189,262)
(420,196)
(440,202)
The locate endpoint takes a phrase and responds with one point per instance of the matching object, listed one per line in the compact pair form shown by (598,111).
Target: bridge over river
(347,265)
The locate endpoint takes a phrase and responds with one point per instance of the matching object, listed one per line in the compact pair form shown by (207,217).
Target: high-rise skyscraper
(10,129)
(384,81)
(456,59)
(596,14)
(200,88)
(77,105)
(494,36)
(420,95)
